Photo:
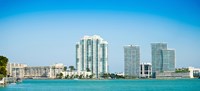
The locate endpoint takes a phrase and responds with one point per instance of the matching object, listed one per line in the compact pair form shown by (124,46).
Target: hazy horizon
(45,32)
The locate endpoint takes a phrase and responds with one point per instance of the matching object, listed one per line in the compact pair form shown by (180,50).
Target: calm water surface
(106,85)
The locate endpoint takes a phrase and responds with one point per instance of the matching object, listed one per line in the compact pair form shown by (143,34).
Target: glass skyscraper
(157,56)
(163,59)
(92,55)
(132,60)
(168,60)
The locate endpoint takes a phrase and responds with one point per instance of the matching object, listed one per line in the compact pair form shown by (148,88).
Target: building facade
(23,71)
(157,56)
(168,60)
(145,70)
(43,71)
(37,72)
(56,69)
(92,55)
(76,74)
(15,70)
(163,59)
(132,61)
(195,72)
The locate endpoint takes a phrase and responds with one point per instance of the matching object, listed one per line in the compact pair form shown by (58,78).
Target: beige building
(16,70)
(23,71)
(43,71)
(56,69)
(37,72)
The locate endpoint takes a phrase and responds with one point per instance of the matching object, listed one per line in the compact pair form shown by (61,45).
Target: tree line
(3,64)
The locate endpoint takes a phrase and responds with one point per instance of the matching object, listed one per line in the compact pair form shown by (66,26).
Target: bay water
(106,85)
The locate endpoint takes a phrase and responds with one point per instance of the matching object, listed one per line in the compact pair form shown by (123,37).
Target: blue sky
(44,32)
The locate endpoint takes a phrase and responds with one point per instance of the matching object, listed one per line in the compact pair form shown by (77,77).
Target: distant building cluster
(163,63)
(92,62)
(17,70)
(163,59)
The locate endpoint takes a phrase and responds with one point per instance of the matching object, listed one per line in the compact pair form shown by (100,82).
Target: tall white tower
(92,55)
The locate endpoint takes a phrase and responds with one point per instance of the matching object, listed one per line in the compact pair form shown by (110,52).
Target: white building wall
(95,65)
(74,73)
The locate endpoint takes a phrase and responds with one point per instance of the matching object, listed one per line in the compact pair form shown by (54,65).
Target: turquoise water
(106,85)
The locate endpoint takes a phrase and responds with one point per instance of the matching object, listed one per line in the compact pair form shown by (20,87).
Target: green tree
(182,70)
(1,76)
(105,75)
(65,68)
(76,76)
(54,70)
(87,69)
(91,76)
(59,76)
(113,76)
(86,76)
(3,64)
(72,76)
(66,77)
(81,76)
(119,77)
(71,68)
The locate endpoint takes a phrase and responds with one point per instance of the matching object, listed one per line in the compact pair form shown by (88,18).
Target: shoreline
(114,79)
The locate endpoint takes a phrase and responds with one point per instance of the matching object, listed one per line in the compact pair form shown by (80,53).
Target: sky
(44,32)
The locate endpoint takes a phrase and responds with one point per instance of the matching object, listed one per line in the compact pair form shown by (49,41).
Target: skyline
(43,33)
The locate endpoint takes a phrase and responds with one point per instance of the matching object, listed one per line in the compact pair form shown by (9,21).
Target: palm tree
(66,77)
(65,69)
(59,76)
(54,70)
(72,76)
(91,76)
(87,69)
(86,76)
(81,76)
(71,68)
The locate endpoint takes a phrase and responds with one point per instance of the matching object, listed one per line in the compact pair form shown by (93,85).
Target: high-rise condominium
(92,55)
(156,49)
(132,60)
(168,60)
(163,59)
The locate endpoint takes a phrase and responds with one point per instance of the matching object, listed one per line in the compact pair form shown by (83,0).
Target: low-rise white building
(194,72)
(172,75)
(120,74)
(145,70)
(190,73)
(73,74)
